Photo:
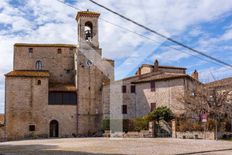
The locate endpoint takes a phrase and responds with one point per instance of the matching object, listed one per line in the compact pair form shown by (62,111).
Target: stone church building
(62,90)
(55,90)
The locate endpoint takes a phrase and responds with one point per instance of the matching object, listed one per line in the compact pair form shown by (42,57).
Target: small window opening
(31,127)
(68,71)
(39,82)
(59,51)
(124,89)
(153,107)
(152,86)
(30,50)
(124,109)
(133,89)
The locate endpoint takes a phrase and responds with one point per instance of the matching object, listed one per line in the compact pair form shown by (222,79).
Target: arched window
(38,65)
(39,82)
(88,31)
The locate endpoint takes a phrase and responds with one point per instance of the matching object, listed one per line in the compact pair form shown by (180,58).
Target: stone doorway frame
(53,129)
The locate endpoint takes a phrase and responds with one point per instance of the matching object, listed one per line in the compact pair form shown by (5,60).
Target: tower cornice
(87,14)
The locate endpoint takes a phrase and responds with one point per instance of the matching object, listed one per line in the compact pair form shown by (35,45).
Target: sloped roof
(24,73)
(162,76)
(62,87)
(220,83)
(171,67)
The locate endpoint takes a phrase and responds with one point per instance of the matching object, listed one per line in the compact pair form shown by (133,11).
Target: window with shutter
(124,109)
(153,106)
(123,89)
(62,98)
(133,89)
(152,86)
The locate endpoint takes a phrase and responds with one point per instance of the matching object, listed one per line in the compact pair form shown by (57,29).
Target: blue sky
(205,25)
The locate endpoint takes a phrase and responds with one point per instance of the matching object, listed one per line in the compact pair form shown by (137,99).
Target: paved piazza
(106,146)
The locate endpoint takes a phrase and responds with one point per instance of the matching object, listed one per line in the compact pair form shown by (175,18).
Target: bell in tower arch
(88,31)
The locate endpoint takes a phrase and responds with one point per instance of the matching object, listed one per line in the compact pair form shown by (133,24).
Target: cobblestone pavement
(106,146)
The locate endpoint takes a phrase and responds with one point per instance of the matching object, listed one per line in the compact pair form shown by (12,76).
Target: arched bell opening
(88,31)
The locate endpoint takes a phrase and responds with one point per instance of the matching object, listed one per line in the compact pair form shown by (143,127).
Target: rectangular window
(153,86)
(59,51)
(124,109)
(62,98)
(124,89)
(30,50)
(133,89)
(153,106)
(31,127)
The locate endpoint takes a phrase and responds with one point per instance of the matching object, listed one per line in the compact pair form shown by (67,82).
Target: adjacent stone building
(152,86)
(55,90)
(223,85)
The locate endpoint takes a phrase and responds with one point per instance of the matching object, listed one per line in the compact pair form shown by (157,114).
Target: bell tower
(89,78)
(88,27)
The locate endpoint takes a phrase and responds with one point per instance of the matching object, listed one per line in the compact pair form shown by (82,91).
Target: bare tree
(202,99)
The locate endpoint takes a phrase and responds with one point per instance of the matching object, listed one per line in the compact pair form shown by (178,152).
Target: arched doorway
(54,128)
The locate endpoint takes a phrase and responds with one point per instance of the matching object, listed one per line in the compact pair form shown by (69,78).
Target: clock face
(89,63)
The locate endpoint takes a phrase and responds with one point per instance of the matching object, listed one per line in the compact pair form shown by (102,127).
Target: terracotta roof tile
(159,77)
(87,14)
(21,73)
(2,117)
(62,87)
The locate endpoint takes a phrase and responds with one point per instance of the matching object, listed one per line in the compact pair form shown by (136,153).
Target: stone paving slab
(124,146)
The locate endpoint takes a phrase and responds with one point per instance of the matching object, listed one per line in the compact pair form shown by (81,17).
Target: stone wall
(141,134)
(139,103)
(2,133)
(60,65)
(165,94)
(89,82)
(30,107)
(195,135)
(146,69)
(149,69)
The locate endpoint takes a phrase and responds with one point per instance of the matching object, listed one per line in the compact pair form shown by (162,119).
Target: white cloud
(48,21)
(227,35)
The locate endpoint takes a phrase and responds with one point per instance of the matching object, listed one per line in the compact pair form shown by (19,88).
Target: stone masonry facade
(55,90)
(151,87)
(64,90)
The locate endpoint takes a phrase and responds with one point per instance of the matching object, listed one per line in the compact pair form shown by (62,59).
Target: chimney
(139,71)
(195,75)
(156,65)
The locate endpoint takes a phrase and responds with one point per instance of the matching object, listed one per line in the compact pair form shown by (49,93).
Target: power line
(140,35)
(163,36)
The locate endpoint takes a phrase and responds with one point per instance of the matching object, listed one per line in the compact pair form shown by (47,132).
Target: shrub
(105,125)
(160,113)
(189,125)
(211,124)
(140,124)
